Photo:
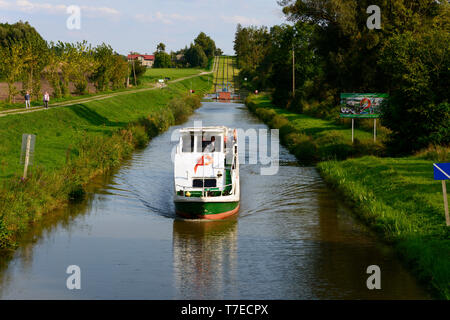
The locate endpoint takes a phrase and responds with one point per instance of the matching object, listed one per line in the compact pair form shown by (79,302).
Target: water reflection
(204,257)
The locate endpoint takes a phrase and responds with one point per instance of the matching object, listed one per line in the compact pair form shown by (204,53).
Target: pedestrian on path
(27,100)
(46,99)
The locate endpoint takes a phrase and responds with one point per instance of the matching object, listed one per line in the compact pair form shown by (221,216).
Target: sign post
(362,105)
(28,141)
(375,130)
(442,172)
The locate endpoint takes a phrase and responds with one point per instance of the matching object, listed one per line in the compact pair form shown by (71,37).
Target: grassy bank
(399,199)
(396,197)
(313,139)
(149,79)
(77,142)
(152,75)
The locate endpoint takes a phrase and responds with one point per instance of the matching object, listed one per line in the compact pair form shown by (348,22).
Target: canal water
(292,239)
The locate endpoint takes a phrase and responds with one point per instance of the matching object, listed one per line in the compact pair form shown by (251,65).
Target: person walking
(27,100)
(46,99)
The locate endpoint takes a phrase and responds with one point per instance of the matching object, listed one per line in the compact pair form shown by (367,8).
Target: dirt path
(96,98)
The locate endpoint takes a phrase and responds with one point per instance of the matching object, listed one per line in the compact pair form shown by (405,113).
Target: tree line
(26,57)
(198,54)
(335,51)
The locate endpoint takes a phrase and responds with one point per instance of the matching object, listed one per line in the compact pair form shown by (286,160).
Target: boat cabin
(204,162)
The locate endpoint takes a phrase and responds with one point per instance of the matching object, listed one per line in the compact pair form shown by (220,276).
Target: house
(146,59)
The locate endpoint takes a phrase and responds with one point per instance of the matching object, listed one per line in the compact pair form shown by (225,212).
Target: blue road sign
(441,171)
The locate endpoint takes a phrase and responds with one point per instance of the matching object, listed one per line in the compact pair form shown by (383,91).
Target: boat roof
(205,129)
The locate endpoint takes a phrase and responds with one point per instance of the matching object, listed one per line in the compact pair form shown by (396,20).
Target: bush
(278,121)
(435,153)
(302,146)
(418,112)
(193,101)
(76,192)
(181,111)
(265,114)
(139,134)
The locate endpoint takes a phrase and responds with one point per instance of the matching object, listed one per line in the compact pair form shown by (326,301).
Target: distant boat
(206,173)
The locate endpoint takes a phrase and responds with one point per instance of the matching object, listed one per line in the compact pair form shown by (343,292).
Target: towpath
(95,98)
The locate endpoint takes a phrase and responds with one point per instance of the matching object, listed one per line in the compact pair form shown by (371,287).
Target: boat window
(209,183)
(210,142)
(188,142)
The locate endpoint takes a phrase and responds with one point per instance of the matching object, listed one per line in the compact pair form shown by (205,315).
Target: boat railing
(206,191)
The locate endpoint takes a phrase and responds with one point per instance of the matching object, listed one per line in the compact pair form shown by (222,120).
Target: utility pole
(293,71)
(128,74)
(134,72)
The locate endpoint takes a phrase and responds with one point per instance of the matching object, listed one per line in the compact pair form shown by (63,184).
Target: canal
(292,239)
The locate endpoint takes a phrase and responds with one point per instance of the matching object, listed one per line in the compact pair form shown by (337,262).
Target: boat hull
(206,210)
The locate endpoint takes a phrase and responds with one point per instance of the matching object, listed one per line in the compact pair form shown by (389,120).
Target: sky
(139,25)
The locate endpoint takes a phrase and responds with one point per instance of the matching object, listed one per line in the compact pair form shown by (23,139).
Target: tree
(85,65)
(162,60)
(207,44)
(12,67)
(135,67)
(34,52)
(418,110)
(196,57)
(161,47)
(51,72)
(119,72)
(104,56)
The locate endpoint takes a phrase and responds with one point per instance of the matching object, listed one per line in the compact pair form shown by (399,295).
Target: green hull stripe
(205,208)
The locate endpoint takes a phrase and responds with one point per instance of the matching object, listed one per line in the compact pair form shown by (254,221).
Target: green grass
(150,77)
(225,72)
(76,142)
(399,198)
(313,139)
(154,74)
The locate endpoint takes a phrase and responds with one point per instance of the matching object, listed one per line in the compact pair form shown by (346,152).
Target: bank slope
(76,142)
(397,197)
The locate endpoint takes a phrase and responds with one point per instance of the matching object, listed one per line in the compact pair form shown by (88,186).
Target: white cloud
(29,6)
(163,18)
(101,10)
(241,19)
(4,4)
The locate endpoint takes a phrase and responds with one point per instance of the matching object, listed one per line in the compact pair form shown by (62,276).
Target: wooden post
(27,156)
(353,129)
(374,130)
(444,193)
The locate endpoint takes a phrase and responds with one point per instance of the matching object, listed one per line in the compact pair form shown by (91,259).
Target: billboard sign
(361,105)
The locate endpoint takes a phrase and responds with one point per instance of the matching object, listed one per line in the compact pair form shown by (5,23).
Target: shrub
(435,153)
(265,114)
(278,121)
(76,192)
(302,146)
(193,101)
(180,110)
(140,137)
